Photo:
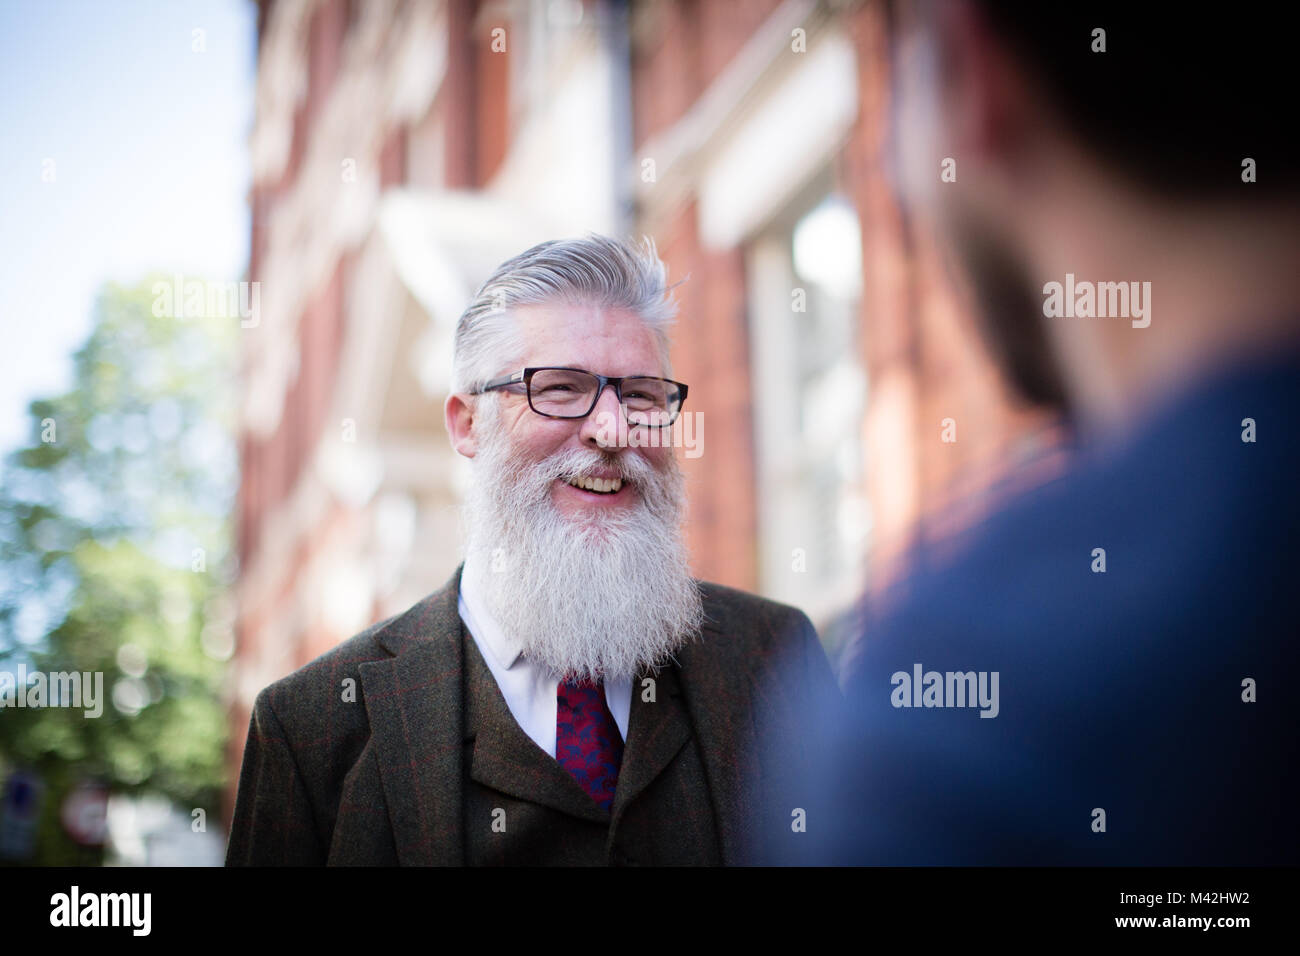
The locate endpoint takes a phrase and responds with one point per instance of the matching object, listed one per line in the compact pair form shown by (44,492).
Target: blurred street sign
(85,813)
(20,809)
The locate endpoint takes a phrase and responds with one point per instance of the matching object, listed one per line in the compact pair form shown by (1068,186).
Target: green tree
(115,558)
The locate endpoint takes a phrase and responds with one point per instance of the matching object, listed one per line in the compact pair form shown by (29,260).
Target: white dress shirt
(529,690)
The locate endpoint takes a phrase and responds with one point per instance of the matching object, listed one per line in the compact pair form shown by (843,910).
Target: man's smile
(602,486)
(588,491)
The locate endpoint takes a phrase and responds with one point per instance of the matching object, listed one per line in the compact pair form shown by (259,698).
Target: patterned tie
(587,741)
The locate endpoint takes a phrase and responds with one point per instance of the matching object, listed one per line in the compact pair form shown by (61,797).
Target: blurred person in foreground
(572,695)
(1103,671)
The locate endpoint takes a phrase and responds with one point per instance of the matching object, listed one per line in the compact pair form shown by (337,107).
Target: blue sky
(149,146)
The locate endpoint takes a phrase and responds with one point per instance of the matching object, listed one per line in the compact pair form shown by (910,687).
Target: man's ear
(458,413)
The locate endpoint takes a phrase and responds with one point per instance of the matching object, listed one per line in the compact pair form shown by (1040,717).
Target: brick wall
(923,359)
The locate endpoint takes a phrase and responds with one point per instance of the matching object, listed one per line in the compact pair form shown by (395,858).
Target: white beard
(593,597)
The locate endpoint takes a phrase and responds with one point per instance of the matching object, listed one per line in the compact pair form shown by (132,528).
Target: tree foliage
(115,558)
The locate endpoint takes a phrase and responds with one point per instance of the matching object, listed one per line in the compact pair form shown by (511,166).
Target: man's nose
(601,426)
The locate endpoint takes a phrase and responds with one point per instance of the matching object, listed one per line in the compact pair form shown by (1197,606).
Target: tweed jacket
(397,748)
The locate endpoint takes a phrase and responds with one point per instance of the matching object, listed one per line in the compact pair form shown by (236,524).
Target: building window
(805,284)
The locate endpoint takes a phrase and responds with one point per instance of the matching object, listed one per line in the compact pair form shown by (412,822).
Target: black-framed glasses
(647,401)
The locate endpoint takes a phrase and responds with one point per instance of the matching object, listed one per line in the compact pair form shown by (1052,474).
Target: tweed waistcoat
(522,808)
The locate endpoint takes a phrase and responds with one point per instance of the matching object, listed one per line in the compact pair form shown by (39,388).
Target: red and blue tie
(587,741)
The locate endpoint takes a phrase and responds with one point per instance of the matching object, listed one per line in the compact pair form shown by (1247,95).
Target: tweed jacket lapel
(657,729)
(507,759)
(414,702)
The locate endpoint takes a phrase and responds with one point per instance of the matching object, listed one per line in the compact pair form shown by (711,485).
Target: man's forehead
(565,334)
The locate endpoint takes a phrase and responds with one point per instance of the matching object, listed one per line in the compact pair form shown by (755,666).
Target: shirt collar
(473,609)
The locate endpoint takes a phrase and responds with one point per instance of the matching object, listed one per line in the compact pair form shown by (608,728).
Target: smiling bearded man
(572,695)
(599,596)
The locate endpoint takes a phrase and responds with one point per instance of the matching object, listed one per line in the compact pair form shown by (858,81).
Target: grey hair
(593,270)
